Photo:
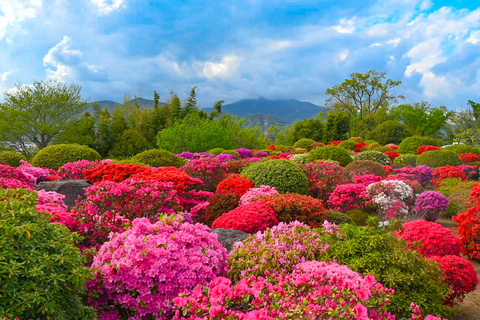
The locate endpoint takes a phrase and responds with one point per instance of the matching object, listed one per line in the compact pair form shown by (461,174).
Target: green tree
(336,127)
(466,124)
(307,128)
(80,131)
(190,104)
(38,113)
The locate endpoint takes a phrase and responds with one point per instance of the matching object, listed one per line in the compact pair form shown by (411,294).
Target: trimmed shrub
(411,144)
(359,217)
(346,197)
(129,144)
(216,151)
(255,193)
(338,217)
(74,170)
(349,145)
(116,172)
(12,158)
(284,175)
(373,155)
(446,172)
(426,148)
(356,139)
(331,152)
(323,176)
(389,132)
(438,158)
(372,145)
(159,158)
(304,143)
(210,171)
(405,160)
(42,272)
(219,204)
(300,158)
(363,167)
(57,155)
(463,148)
(234,184)
(430,204)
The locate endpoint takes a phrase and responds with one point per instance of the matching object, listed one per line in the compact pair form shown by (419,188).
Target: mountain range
(280,112)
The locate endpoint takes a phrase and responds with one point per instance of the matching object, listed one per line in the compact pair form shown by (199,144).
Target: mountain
(146,103)
(290,110)
(259,119)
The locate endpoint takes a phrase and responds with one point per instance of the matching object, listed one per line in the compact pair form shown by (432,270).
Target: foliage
(358,216)
(411,144)
(405,160)
(234,184)
(304,143)
(469,231)
(210,171)
(446,172)
(159,158)
(338,217)
(438,158)
(300,158)
(139,271)
(55,156)
(363,167)
(307,128)
(349,145)
(12,158)
(426,148)
(330,153)
(249,218)
(323,177)
(128,144)
(462,148)
(113,172)
(336,127)
(255,193)
(373,155)
(74,170)
(42,273)
(389,132)
(217,205)
(284,175)
(430,204)
(392,198)
(346,197)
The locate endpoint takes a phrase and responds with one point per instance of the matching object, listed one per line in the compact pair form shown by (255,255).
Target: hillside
(146,103)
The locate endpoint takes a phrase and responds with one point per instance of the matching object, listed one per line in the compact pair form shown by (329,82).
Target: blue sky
(235,50)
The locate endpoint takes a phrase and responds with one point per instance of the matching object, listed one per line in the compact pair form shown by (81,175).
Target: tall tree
(336,127)
(32,116)
(190,104)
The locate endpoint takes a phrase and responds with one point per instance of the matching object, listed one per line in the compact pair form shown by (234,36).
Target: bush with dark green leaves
(347,144)
(411,144)
(372,146)
(359,217)
(284,175)
(373,155)
(129,144)
(42,272)
(363,167)
(438,158)
(129,161)
(463,148)
(159,158)
(57,155)
(12,158)
(216,151)
(232,152)
(338,217)
(405,160)
(330,153)
(389,132)
(304,143)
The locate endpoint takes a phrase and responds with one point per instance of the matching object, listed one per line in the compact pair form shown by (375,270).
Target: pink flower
(361,312)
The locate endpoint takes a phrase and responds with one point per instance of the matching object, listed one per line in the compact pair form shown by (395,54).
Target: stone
(228,237)
(72,189)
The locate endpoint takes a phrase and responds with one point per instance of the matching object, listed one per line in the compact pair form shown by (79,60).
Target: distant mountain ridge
(146,103)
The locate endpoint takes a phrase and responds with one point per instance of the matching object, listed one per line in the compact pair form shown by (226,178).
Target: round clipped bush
(339,217)
(159,158)
(347,144)
(300,158)
(373,155)
(331,153)
(411,144)
(304,143)
(57,155)
(217,205)
(139,271)
(405,160)
(323,176)
(350,196)
(389,132)
(463,148)
(284,175)
(249,218)
(210,171)
(129,144)
(359,217)
(438,158)
(42,272)
(363,167)
(12,158)
(435,239)
(234,184)
(216,151)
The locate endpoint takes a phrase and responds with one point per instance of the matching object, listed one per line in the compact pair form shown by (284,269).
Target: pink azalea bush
(210,171)
(430,204)
(367,179)
(8,183)
(224,157)
(8,172)
(423,174)
(244,153)
(74,170)
(255,193)
(350,196)
(39,174)
(323,177)
(139,272)
(392,198)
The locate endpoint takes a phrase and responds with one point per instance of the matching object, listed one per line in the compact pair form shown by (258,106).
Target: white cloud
(12,12)
(474,37)
(344,55)
(3,78)
(346,26)
(279,45)
(226,67)
(106,7)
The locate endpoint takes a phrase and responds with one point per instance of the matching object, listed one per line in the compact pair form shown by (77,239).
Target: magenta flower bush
(74,170)
(224,157)
(255,193)
(323,177)
(367,179)
(186,155)
(261,154)
(210,171)
(8,183)
(244,153)
(51,197)
(139,271)
(430,204)
(40,174)
(8,172)
(392,198)
(422,174)
(350,196)
(470,171)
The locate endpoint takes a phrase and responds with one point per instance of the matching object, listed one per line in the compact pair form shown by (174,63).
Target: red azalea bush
(211,171)
(116,172)
(388,170)
(350,196)
(291,206)
(469,157)
(362,167)
(323,177)
(392,155)
(234,184)
(218,204)
(249,218)
(435,239)
(272,148)
(426,148)
(359,146)
(236,166)
(469,231)
(74,170)
(460,276)
(335,143)
(139,271)
(446,172)
(367,179)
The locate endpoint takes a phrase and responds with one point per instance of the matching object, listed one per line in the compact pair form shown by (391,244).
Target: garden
(352,229)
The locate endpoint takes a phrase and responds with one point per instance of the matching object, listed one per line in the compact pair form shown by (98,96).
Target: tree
(336,127)
(307,128)
(32,116)
(80,131)
(466,124)
(364,93)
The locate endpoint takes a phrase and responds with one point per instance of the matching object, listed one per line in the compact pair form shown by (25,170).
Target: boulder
(72,189)
(228,237)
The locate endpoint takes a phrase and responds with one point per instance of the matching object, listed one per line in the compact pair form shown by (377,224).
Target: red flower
(469,157)
(234,184)
(447,172)
(359,146)
(426,148)
(392,154)
(249,218)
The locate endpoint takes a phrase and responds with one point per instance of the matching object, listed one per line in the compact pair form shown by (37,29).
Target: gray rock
(72,189)
(228,237)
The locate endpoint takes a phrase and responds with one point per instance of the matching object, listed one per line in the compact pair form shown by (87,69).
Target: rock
(228,237)
(70,188)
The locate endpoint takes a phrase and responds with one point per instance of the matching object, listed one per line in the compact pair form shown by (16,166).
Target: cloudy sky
(235,49)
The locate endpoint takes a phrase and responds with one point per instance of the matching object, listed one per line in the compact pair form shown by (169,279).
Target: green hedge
(438,158)
(331,153)
(411,144)
(463,148)
(405,160)
(57,155)
(159,158)
(304,143)
(12,158)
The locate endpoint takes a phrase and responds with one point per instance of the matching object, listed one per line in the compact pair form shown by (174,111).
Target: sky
(233,50)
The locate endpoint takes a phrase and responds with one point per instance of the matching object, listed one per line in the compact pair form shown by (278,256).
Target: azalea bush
(469,157)
(363,167)
(446,172)
(116,172)
(255,193)
(471,172)
(249,218)
(405,160)
(423,174)
(392,198)
(139,272)
(469,231)
(331,152)
(8,172)
(244,153)
(210,171)
(392,155)
(323,177)
(367,179)
(426,148)
(234,184)
(373,155)
(346,197)
(218,204)
(74,170)
(8,183)
(430,204)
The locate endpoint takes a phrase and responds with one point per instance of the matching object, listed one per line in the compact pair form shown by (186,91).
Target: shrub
(290,207)
(255,193)
(367,179)
(304,143)
(405,160)
(323,177)
(128,144)
(460,276)
(373,155)
(234,184)
(392,198)
(217,205)
(284,175)
(210,171)
(216,151)
(331,152)
(363,167)
(463,148)
(236,166)
(338,217)
(389,132)
(244,153)
(299,151)
(346,197)
(372,145)
(392,155)
(12,158)
(358,216)
(55,156)
(471,172)
(300,158)
(233,153)
(224,157)
(433,238)
(458,193)
(159,158)
(42,272)
(152,264)
(430,204)
(113,172)
(74,170)
(249,218)
(411,144)
(360,146)
(446,172)
(422,174)
(438,158)
(349,145)
(469,231)
(11,173)
(426,148)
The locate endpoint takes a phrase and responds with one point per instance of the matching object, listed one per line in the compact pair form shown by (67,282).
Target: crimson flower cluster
(446,172)
(423,149)
(116,172)
(323,177)
(210,171)
(469,157)
(234,184)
